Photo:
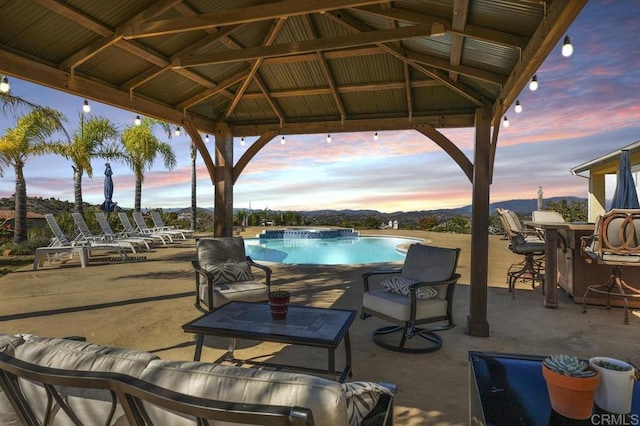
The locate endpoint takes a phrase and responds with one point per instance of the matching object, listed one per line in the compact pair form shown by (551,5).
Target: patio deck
(143,305)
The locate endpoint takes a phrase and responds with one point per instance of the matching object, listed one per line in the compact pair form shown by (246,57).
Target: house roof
(609,163)
(10,214)
(304,66)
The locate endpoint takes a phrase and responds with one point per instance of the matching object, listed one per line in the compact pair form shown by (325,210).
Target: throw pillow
(401,286)
(229,272)
(361,398)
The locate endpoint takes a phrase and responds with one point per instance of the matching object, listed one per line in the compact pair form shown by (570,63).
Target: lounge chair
(130,230)
(120,236)
(143,227)
(159,224)
(84,234)
(60,248)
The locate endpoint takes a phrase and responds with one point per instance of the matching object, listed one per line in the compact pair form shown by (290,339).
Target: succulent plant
(568,365)
(279,293)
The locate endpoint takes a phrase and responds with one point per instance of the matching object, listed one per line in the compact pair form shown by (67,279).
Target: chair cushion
(361,398)
(229,272)
(8,416)
(246,291)
(397,306)
(428,263)
(220,250)
(401,286)
(246,385)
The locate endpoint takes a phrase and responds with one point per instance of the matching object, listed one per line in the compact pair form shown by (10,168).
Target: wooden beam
(449,147)
(372,125)
(240,15)
(458,22)
(305,46)
(251,152)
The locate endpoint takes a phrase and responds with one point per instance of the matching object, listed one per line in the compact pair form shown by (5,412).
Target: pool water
(328,251)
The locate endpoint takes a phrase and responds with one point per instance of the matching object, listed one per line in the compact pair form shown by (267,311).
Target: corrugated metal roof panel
(519,18)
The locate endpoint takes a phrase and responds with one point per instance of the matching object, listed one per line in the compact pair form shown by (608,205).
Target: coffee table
(306,326)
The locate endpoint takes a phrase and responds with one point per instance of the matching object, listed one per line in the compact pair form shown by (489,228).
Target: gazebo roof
(304,66)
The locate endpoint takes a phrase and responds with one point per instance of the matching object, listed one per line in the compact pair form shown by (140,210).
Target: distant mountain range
(524,207)
(518,206)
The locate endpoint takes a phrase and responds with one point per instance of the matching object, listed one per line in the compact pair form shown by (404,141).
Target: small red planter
(279,306)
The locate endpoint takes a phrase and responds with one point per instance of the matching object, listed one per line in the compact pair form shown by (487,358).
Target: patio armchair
(616,243)
(223,273)
(524,243)
(420,292)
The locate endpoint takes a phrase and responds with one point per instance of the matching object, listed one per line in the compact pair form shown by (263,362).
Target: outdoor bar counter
(565,266)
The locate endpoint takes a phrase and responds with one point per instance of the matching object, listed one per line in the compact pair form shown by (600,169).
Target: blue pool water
(328,251)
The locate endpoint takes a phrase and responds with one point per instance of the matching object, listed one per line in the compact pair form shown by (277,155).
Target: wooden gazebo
(239,68)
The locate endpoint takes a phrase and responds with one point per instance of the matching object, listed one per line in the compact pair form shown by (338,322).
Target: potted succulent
(615,392)
(279,303)
(571,384)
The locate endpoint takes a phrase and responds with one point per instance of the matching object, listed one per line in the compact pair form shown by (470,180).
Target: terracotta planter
(615,391)
(571,397)
(279,306)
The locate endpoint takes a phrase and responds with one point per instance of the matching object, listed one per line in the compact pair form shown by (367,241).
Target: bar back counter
(565,266)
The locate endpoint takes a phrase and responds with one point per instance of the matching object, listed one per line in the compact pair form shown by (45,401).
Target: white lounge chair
(130,230)
(159,224)
(143,227)
(85,235)
(120,236)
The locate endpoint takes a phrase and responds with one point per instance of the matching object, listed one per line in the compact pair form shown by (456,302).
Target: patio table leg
(199,341)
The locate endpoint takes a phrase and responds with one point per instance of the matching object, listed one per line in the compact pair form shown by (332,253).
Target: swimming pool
(329,251)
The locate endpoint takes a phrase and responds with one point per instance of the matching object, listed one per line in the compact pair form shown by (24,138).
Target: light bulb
(283,141)
(518,107)
(242,142)
(206,138)
(329,138)
(567,48)
(375,136)
(177,131)
(85,107)
(4,85)
(137,121)
(533,85)
(505,122)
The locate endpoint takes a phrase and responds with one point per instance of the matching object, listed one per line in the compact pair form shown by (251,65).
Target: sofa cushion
(8,417)
(91,405)
(246,385)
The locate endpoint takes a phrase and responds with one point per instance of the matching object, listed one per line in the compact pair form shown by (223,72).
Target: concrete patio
(143,305)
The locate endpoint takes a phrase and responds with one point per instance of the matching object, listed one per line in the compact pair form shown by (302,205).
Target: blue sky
(586,106)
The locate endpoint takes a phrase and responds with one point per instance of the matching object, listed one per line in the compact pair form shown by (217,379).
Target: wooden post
(477,324)
(223,199)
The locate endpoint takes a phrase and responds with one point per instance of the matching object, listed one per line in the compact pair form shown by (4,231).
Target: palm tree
(91,140)
(142,147)
(29,137)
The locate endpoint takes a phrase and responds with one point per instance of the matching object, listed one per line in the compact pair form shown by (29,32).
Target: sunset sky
(586,106)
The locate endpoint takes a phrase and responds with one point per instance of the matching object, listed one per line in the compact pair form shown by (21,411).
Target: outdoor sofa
(63,378)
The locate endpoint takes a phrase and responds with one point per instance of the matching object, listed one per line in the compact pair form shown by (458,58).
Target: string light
(518,107)
(242,142)
(533,85)
(206,138)
(329,138)
(283,141)
(177,131)
(505,122)
(137,121)
(86,107)
(567,48)
(375,136)
(4,84)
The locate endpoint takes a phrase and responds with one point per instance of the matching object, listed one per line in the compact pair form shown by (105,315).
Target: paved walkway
(142,305)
